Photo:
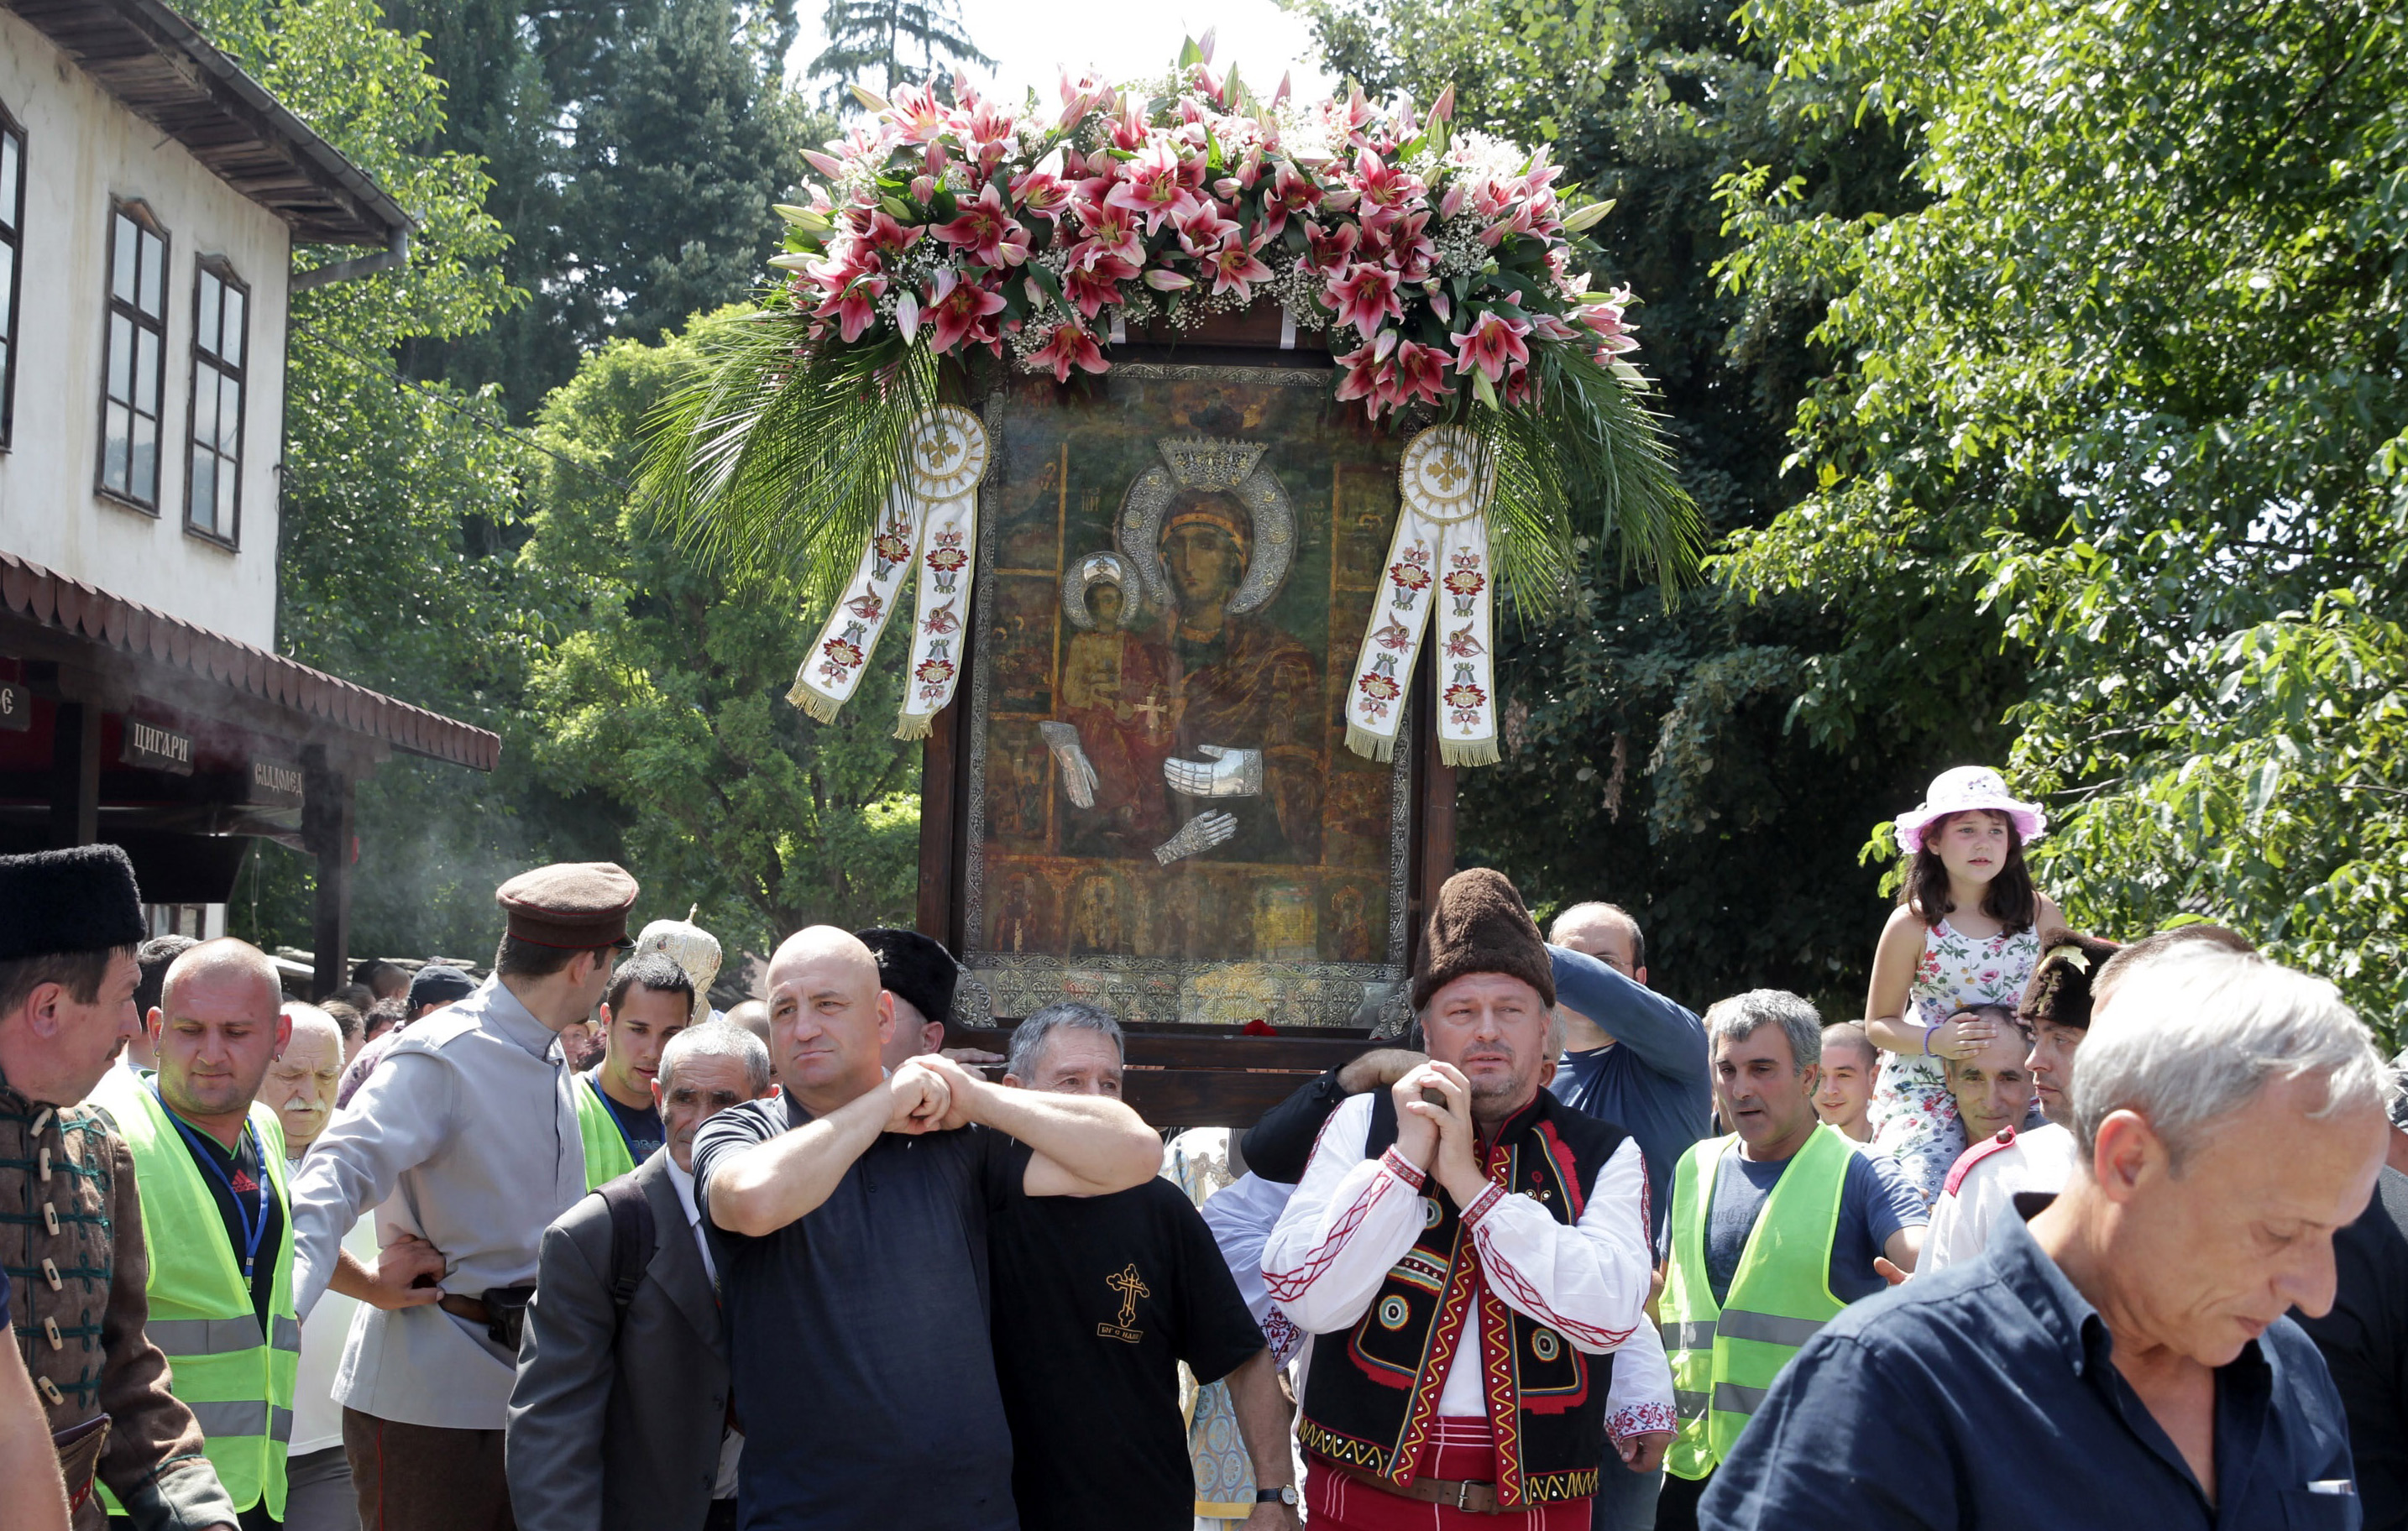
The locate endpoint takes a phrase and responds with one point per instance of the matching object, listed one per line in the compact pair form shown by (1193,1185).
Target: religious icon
(1163,644)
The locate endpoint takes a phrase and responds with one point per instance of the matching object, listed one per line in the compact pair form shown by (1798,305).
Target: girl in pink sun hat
(1966,932)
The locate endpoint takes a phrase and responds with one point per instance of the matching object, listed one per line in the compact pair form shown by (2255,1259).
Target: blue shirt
(1984,1398)
(1876,1201)
(1655,1083)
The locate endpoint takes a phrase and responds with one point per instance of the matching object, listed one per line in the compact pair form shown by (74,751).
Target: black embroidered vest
(1371,1395)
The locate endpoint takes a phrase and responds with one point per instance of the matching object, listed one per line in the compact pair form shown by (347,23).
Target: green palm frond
(1591,443)
(780,455)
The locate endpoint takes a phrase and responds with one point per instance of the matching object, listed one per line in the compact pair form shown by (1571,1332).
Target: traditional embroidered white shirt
(1353,1218)
(1981,1191)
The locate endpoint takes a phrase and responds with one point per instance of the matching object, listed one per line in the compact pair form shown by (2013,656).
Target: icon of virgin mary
(1210,534)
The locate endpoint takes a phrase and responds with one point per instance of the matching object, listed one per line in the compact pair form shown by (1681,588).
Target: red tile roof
(72,607)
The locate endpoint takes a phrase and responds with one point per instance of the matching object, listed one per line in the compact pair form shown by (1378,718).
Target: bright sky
(1031,39)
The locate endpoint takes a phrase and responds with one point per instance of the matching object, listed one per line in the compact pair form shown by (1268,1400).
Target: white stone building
(151,196)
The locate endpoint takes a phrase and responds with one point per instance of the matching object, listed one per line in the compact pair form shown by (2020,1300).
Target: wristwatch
(1284,1494)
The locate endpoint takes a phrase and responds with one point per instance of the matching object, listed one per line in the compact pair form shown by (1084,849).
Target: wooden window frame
(219,269)
(137,213)
(13,133)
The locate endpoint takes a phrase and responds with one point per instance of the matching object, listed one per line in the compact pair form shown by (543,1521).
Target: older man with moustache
(301,1084)
(78,1302)
(849,1226)
(1106,1298)
(619,1420)
(2069,986)
(1468,1253)
(2123,1358)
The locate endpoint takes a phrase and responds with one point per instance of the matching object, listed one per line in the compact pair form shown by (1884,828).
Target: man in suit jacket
(619,1420)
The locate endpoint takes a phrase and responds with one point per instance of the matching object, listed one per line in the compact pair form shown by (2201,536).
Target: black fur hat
(915,968)
(82,899)
(2059,990)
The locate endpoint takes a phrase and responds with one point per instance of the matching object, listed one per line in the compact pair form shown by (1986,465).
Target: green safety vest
(1725,1356)
(237,1382)
(607,1157)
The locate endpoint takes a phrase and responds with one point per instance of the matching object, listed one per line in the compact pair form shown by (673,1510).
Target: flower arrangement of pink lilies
(1440,263)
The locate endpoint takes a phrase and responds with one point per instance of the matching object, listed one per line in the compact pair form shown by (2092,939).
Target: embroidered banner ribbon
(1437,562)
(931,519)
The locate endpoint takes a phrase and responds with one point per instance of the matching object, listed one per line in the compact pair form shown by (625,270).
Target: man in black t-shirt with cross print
(1096,1301)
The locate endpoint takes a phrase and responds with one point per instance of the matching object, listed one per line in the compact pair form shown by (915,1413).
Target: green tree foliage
(667,694)
(2120,407)
(872,43)
(635,147)
(393,494)
(1647,758)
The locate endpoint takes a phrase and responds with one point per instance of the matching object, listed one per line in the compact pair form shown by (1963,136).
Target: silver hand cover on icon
(1225,773)
(1196,836)
(1078,772)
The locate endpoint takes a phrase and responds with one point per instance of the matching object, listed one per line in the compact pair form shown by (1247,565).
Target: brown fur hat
(1480,925)
(2059,990)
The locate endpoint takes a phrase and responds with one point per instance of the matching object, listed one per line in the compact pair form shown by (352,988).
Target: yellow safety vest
(237,1382)
(1725,1356)
(607,1157)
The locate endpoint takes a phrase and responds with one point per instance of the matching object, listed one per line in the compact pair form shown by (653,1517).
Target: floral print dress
(1914,1117)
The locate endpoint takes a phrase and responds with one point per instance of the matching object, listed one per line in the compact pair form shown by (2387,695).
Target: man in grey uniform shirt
(469,1120)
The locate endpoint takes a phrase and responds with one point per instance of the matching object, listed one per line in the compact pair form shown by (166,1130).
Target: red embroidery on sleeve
(1403,1168)
(1285,1285)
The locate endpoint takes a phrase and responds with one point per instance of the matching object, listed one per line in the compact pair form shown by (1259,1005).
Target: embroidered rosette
(931,521)
(1437,562)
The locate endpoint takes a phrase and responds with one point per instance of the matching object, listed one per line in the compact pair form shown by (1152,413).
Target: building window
(137,356)
(213,488)
(12,222)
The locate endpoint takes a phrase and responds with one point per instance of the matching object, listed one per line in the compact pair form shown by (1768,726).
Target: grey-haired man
(1107,1295)
(619,1416)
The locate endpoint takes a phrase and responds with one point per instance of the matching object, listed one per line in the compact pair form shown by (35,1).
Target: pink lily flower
(1112,230)
(1516,220)
(924,190)
(1411,250)
(1290,193)
(1235,268)
(1364,296)
(853,304)
(827,164)
(1522,386)
(1367,378)
(889,237)
(1421,374)
(1490,345)
(1070,346)
(985,231)
(1548,327)
(1038,194)
(1091,283)
(1129,130)
(959,310)
(1156,187)
(1203,228)
(1167,282)
(1331,252)
(1382,186)
(917,114)
(1614,337)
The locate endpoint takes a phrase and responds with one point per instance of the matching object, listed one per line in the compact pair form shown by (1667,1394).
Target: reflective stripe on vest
(237,1382)
(1725,1358)
(606,1147)
(220,1336)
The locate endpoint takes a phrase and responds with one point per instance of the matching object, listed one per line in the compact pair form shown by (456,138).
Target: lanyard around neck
(253,1217)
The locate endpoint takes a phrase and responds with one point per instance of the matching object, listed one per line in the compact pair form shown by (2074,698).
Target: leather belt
(1471,1499)
(471,1308)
